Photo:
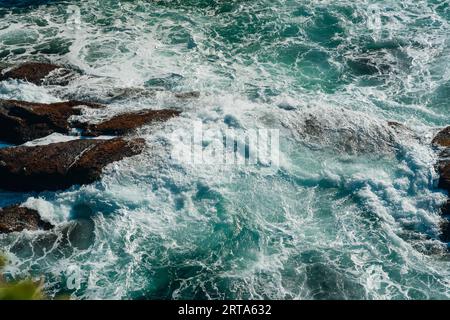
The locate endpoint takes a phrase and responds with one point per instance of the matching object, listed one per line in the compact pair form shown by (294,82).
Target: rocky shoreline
(25,121)
(61,165)
(127,122)
(16,218)
(58,166)
(39,73)
(442,142)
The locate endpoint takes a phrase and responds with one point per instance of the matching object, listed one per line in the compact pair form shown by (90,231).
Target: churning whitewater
(356,90)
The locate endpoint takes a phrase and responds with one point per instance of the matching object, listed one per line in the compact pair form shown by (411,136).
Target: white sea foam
(352,203)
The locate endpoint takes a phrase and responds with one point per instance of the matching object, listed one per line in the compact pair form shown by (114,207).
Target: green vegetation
(19,290)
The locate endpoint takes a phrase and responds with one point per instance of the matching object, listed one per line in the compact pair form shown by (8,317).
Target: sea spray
(352,210)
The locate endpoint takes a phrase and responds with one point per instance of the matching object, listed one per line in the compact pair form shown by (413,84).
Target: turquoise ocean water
(353,210)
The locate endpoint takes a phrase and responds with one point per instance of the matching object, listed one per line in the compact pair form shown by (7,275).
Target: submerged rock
(188,95)
(366,66)
(345,131)
(16,218)
(106,93)
(81,233)
(165,82)
(24,121)
(126,122)
(61,165)
(39,73)
(442,138)
(127,93)
(102,91)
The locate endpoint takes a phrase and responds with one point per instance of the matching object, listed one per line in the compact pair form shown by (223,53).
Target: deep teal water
(353,211)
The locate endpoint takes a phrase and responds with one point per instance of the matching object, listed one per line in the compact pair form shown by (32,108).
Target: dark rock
(287,106)
(395,124)
(59,243)
(442,139)
(39,73)
(24,121)
(400,128)
(368,66)
(126,122)
(445,231)
(127,93)
(446,208)
(60,165)
(444,175)
(401,131)
(312,126)
(102,92)
(187,95)
(81,233)
(16,218)
(445,154)
(363,66)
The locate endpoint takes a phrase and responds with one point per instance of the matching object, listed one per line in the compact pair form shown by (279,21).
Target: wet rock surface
(446,208)
(105,94)
(127,122)
(442,140)
(101,93)
(57,166)
(127,93)
(444,175)
(39,73)
(16,218)
(337,130)
(61,165)
(24,121)
(188,95)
